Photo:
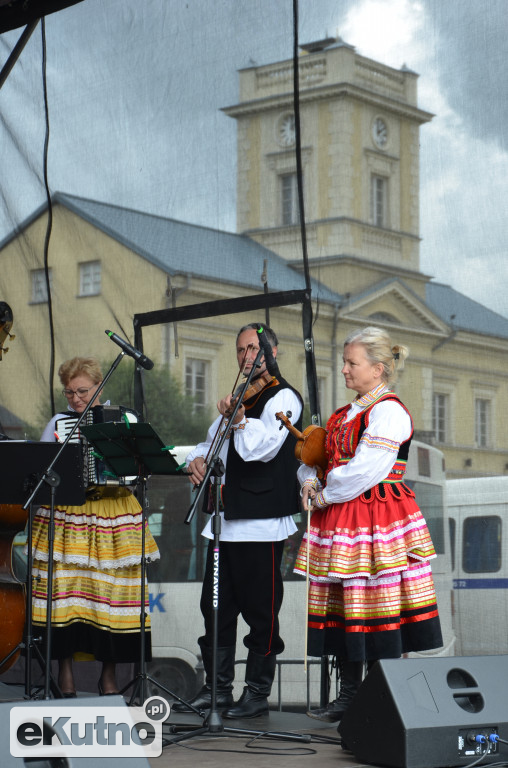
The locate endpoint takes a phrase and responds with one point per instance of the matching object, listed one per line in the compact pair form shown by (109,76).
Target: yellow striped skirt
(96,564)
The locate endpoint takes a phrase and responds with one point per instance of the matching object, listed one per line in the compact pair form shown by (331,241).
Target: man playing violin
(259,495)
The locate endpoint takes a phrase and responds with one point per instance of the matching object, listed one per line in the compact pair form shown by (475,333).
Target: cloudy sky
(135,91)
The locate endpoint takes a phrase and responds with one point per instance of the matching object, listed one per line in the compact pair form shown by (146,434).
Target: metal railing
(324,678)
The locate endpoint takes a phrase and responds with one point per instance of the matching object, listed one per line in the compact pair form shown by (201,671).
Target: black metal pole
(214,719)
(54,481)
(142,676)
(16,51)
(29,638)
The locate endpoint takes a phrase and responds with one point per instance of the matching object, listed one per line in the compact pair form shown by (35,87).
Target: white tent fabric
(135,92)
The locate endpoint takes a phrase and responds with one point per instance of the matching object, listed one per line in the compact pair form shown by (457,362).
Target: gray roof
(181,248)
(462,313)
(456,310)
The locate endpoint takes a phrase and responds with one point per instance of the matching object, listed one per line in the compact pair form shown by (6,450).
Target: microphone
(138,356)
(271,363)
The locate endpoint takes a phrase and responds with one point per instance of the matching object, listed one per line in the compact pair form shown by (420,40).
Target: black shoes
(351,676)
(259,674)
(225,677)
(250,704)
(203,700)
(332,713)
(106,693)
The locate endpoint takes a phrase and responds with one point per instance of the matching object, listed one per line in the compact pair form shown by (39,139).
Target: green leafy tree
(171,412)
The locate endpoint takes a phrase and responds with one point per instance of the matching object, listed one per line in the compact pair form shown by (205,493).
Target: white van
(478,520)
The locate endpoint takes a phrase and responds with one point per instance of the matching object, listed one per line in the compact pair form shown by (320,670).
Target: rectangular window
(378,201)
(452,527)
(289,197)
(39,286)
(196,381)
(482,422)
(482,544)
(431,503)
(423,461)
(90,278)
(440,417)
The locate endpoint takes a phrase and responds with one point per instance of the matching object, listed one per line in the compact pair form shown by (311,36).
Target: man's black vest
(258,489)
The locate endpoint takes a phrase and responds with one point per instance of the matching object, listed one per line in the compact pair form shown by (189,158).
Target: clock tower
(360,158)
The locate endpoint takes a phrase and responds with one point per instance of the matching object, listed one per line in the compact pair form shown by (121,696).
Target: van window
(452,527)
(481,550)
(429,498)
(182,548)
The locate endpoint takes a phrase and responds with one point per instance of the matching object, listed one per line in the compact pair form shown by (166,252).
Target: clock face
(287,130)
(380,132)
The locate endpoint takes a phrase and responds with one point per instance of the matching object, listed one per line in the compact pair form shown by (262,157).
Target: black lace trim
(383,491)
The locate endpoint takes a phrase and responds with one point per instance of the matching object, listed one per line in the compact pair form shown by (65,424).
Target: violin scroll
(310,444)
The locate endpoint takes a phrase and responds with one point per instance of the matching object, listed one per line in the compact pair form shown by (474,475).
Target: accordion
(98,479)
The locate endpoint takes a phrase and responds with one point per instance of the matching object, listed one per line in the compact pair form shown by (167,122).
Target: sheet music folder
(23,464)
(126,447)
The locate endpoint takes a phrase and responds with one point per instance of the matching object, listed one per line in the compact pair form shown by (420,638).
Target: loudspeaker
(425,713)
(8,761)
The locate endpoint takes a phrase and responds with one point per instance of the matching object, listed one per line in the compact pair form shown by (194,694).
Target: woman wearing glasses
(96,561)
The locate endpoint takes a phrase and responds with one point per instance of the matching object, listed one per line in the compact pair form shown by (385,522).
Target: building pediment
(393,303)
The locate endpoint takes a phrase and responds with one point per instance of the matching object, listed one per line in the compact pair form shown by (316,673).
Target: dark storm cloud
(472,61)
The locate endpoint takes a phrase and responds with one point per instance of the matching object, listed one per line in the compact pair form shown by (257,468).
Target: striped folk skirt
(96,597)
(371,592)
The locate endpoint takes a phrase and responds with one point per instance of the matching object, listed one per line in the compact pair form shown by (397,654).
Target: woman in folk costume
(371,591)
(96,603)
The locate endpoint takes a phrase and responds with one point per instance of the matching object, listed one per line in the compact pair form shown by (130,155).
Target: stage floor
(242,741)
(319,746)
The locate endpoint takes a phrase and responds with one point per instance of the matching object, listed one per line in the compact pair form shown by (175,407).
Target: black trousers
(249,584)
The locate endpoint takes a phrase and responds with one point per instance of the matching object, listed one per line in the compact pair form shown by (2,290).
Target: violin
(12,520)
(310,444)
(256,385)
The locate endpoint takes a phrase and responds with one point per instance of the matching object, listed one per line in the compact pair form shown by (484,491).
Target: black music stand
(27,463)
(134,449)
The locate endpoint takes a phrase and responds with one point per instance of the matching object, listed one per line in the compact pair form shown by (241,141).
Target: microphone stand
(213,723)
(51,478)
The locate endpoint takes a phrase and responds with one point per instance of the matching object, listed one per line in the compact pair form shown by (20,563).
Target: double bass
(12,520)
(5,326)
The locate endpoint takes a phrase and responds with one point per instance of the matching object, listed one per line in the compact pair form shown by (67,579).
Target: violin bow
(221,422)
(307,571)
